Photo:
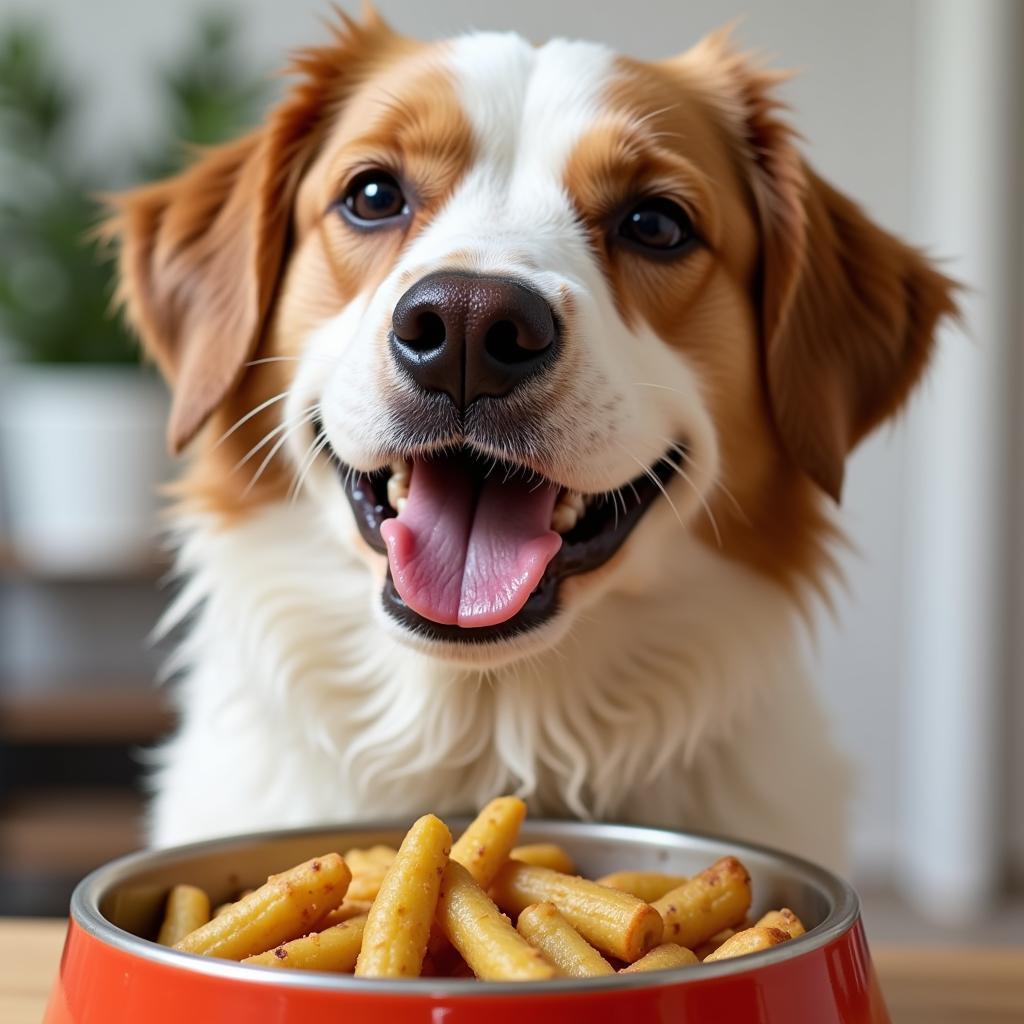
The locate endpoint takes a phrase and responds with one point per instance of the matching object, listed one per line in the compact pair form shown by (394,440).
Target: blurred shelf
(66,832)
(104,714)
(14,567)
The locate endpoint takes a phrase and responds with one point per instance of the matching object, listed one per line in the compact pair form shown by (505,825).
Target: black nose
(469,336)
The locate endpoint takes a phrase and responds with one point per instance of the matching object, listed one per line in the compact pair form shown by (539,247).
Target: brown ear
(848,311)
(201,253)
(848,319)
(199,261)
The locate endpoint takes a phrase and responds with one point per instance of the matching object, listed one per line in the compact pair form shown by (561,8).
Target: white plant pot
(82,454)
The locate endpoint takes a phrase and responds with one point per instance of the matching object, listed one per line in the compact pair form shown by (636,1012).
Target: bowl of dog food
(497,919)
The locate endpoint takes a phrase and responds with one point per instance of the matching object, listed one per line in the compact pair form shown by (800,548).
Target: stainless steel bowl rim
(85,904)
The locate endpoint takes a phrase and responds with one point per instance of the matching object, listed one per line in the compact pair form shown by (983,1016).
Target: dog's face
(520,315)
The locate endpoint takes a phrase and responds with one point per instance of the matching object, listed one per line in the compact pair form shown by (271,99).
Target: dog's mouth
(477,548)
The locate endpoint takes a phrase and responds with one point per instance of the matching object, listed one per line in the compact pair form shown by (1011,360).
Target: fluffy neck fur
(297,708)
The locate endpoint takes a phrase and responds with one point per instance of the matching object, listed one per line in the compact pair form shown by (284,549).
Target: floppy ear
(199,261)
(848,311)
(202,252)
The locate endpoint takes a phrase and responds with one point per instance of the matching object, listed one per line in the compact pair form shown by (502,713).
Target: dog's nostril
(506,343)
(502,343)
(428,333)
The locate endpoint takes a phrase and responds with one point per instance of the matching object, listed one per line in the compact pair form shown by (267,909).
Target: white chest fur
(684,705)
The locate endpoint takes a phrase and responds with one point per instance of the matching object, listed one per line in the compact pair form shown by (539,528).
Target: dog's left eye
(657,224)
(373,196)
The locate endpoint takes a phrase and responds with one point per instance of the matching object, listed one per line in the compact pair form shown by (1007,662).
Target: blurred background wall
(862,101)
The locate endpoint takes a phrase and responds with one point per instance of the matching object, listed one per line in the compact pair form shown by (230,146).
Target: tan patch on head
(402,115)
(805,323)
(658,138)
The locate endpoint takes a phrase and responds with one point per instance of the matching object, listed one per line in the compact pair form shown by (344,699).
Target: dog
(518,383)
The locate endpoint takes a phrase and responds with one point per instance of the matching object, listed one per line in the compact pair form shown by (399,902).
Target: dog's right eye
(373,197)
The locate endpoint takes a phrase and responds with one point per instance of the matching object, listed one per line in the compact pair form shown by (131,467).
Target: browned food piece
(785,920)
(751,940)
(287,906)
(571,955)
(544,855)
(398,925)
(705,949)
(614,922)
(333,949)
(717,898)
(662,958)
(487,841)
(482,934)
(188,908)
(646,885)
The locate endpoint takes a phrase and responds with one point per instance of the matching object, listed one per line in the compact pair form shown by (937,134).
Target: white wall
(852,102)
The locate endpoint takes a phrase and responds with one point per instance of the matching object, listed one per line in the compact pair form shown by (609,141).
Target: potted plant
(81,419)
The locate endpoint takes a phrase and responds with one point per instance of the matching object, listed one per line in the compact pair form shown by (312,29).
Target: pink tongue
(467,558)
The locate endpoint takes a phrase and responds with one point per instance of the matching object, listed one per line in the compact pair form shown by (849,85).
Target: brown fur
(806,323)
(240,256)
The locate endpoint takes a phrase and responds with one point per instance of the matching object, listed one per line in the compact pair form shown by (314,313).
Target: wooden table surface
(922,986)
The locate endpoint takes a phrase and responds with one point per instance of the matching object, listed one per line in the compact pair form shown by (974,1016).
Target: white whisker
(249,415)
(685,455)
(707,508)
(318,444)
(273,432)
(657,483)
(660,387)
(277,447)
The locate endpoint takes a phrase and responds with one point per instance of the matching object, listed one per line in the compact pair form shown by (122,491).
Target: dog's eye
(658,224)
(373,196)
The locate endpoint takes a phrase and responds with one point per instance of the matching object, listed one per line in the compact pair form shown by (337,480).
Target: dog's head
(516,315)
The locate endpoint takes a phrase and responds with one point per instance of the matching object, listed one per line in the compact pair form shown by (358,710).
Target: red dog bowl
(109,974)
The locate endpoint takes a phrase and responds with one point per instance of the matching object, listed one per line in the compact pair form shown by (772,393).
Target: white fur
(668,689)
(685,707)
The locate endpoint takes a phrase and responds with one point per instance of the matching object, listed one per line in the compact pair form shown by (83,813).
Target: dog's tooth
(398,490)
(401,503)
(563,518)
(575,501)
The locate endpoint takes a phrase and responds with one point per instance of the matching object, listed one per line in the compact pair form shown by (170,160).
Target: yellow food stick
(717,898)
(544,855)
(705,949)
(489,838)
(785,920)
(283,909)
(751,940)
(382,853)
(347,910)
(484,847)
(188,907)
(615,922)
(662,958)
(646,885)
(563,947)
(471,922)
(368,869)
(395,940)
(333,949)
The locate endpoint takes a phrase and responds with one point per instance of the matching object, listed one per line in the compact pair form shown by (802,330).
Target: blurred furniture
(70,742)
(921,985)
